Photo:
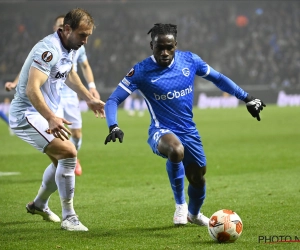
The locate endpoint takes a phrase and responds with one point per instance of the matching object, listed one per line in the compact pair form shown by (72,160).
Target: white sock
(65,181)
(77,142)
(47,188)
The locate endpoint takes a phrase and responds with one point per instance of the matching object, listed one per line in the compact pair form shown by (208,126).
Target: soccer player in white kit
(33,113)
(69,106)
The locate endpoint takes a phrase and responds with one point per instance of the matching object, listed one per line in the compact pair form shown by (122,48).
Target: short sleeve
(44,57)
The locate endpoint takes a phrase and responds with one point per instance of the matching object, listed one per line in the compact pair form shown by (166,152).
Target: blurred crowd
(252,42)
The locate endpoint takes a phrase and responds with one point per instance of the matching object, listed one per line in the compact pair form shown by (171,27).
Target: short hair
(74,17)
(163,29)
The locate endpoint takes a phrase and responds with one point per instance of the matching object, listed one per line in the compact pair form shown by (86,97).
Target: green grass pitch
(124,197)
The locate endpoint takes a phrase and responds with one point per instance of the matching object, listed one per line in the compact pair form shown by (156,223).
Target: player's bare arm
(36,79)
(89,77)
(94,92)
(74,82)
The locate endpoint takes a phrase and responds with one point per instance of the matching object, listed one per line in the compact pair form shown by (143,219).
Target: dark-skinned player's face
(163,47)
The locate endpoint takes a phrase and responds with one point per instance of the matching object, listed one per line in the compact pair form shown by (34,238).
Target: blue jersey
(168,91)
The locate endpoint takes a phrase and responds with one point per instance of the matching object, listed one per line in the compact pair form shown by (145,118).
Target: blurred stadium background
(256,43)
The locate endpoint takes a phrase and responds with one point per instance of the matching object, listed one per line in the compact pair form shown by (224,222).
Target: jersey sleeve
(130,82)
(44,57)
(112,103)
(221,81)
(202,67)
(126,86)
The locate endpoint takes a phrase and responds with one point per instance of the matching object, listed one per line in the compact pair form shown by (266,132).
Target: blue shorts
(193,148)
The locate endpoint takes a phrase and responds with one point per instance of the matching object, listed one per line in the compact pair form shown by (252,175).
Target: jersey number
(159,134)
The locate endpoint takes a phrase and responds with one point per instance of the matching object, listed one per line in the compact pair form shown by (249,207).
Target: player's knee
(76,133)
(176,153)
(61,150)
(70,152)
(197,182)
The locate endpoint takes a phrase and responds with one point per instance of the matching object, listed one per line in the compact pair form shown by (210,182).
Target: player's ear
(175,44)
(151,45)
(67,28)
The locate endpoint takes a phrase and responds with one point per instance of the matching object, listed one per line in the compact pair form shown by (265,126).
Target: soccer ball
(225,226)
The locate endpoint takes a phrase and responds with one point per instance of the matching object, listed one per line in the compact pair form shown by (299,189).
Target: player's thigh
(193,150)
(159,146)
(61,149)
(76,132)
(194,160)
(54,160)
(32,129)
(170,145)
(72,113)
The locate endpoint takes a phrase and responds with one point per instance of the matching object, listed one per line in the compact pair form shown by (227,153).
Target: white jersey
(52,58)
(80,57)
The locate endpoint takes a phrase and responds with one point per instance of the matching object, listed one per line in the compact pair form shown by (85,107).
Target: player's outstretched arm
(94,92)
(111,110)
(96,105)
(254,106)
(114,133)
(89,77)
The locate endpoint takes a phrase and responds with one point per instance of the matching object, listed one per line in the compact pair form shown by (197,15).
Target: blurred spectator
(260,38)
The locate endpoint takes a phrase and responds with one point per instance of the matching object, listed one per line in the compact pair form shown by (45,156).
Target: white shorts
(32,129)
(69,109)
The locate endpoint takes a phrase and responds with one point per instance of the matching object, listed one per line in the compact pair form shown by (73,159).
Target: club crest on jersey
(130,73)
(186,72)
(47,56)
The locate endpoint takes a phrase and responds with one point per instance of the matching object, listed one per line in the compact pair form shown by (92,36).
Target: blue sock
(4,117)
(196,198)
(176,176)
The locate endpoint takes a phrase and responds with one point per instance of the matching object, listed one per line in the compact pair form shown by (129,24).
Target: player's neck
(63,39)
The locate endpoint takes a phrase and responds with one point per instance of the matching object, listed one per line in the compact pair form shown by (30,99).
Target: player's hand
(254,106)
(97,106)
(114,133)
(94,92)
(57,128)
(10,85)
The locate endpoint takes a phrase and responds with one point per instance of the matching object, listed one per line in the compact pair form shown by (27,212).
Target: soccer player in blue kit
(166,81)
